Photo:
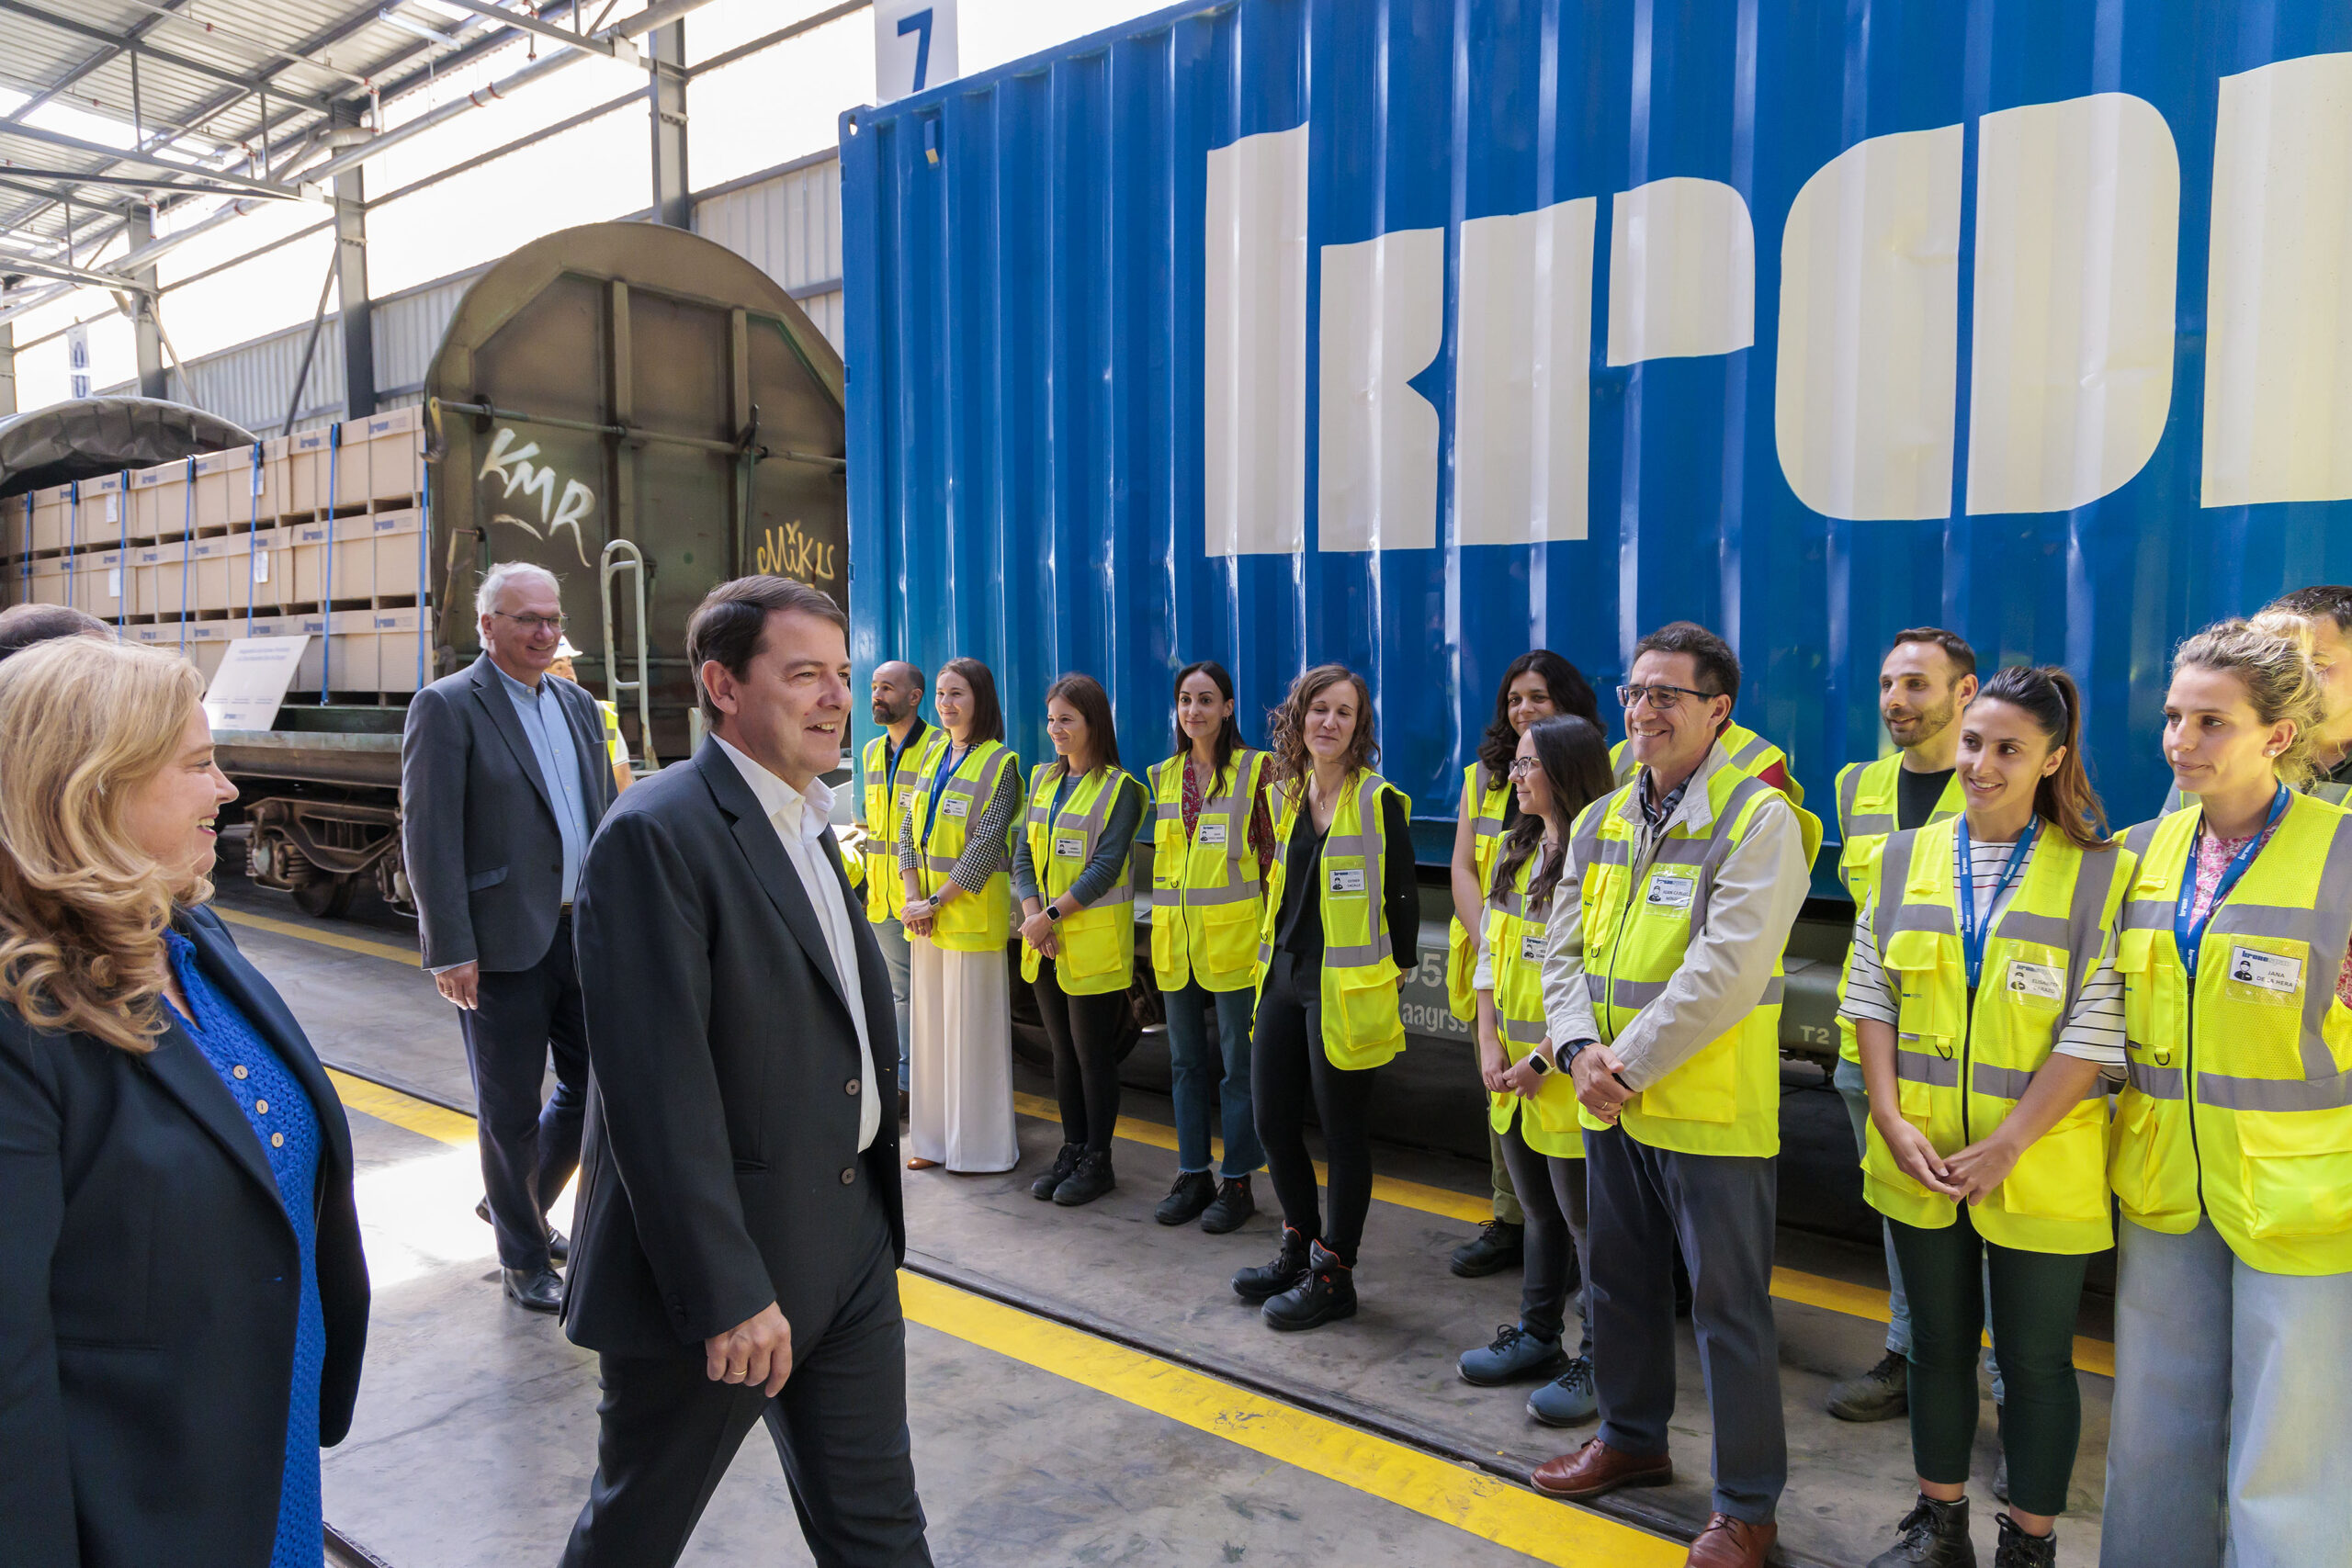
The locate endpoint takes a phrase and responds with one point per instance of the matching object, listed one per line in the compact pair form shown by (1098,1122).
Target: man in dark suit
(502,782)
(740,1227)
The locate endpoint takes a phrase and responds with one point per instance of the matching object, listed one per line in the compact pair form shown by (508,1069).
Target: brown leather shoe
(1727,1543)
(1596,1468)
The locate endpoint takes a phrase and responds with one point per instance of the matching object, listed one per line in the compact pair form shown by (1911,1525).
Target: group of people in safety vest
(2041,1021)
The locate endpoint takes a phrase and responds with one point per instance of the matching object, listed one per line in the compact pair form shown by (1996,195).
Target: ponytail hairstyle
(2269,656)
(2048,696)
(1574,755)
(1229,739)
(1571,693)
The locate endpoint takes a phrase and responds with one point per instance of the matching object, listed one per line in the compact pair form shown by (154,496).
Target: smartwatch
(1538,1063)
(1568,1055)
(1052,913)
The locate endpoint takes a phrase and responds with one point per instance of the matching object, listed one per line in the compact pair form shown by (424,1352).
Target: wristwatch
(1568,1055)
(1052,913)
(1538,1063)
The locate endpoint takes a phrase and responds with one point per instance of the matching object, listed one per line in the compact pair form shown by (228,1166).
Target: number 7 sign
(914,46)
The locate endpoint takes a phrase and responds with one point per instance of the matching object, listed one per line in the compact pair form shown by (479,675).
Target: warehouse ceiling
(111,110)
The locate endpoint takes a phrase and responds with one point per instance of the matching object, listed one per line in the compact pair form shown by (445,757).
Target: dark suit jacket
(721,1170)
(477,827)
(149,1283)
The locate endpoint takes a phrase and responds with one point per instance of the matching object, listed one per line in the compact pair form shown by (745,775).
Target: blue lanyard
(949,761)
(1973,932)
(2188,934)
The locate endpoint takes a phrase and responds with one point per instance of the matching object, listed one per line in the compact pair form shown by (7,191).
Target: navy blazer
(150,1281)
(478,828)
(720,1170)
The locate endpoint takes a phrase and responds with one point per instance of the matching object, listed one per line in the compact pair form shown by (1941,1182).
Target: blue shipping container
(1416,332)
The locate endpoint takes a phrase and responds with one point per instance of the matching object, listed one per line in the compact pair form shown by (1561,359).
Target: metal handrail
(633,563)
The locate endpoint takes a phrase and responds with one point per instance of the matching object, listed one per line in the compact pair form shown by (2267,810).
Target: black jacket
(149,1285)
(478,827)
(720,1170)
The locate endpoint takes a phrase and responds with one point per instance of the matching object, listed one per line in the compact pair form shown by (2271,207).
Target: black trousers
(1287,1071)
(1085,1035)
(529,1150)
(666,1434)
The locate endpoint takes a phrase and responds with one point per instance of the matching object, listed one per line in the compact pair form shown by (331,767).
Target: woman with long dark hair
(1077,926)
(1986,1001)
(1342,913)
(1537,684)
(1211,842)
(1561,768)
(955,860)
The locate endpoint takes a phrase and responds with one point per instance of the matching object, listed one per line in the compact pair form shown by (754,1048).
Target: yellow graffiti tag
(789,552)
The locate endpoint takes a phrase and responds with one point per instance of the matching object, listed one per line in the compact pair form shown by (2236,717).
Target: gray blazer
(478,825)
(720,1170)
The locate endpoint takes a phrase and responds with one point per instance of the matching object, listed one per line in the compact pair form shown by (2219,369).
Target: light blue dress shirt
(558,758)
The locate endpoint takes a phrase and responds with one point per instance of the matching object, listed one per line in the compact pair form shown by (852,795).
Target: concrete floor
(476,1429)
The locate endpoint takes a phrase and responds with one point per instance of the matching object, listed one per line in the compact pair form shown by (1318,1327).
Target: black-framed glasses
(1660,698)
(534,625)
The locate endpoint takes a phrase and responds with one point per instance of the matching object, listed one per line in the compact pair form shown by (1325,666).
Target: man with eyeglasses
(502,782)
(1662,984)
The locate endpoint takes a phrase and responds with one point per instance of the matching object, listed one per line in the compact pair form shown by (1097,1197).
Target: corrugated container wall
(1412,334)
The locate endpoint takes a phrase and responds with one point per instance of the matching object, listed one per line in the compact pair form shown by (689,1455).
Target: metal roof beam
(611,43)
(135,182)
(33,267)
(201,68)
(125,155)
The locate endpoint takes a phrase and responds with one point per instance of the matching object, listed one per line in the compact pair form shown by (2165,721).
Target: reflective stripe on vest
(1192,875)
(1644,896)
(1098,942)
(1961,1068)
(1749,751)
(971,922)
(1357,986)
(1547,1118)
(2241,1110)
(886,895)
(1487,806)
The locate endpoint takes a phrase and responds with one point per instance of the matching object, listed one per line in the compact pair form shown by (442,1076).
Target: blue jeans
(891,938)
(2231,1436)
(1203,1068)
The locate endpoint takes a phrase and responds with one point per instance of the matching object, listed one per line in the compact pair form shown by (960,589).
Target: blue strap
(252,529)
(188,541)
(948,762)
(327,574)
(2188,934)
(1974,931)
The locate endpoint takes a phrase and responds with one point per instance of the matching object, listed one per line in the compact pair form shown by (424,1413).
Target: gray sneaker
(1568,1400)
(1880,1394)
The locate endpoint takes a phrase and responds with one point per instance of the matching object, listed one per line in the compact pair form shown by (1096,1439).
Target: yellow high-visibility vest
(1866,801)
(1961,1071)
(971,922)
(1637,923)
(1206,894)
(2239,1102)
(1515,931)
(1098,942)
(1486,804)
(886,895)
(1750,753)
(1361,1026)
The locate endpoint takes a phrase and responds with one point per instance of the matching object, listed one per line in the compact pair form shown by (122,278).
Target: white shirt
(799,818)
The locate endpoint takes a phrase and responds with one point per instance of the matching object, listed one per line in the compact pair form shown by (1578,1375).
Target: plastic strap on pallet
(187,544)
(122,557)
(327,574)
(252,529)
(73,531)
(423,566)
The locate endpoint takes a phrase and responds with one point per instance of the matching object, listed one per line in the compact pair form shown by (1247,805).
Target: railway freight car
(639,410)
(1414,335)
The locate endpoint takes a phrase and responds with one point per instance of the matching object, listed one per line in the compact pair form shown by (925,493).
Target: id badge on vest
(1211,833)
(2036,982)
(2258,976)
(1069,846)
(956,806)
(1669,892)
(1531,947)
(1347,879)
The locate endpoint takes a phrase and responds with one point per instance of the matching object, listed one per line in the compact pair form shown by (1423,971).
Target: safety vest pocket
(2146,1015)
(1167,940)
(1704,1089)
(1556,1105)
(2149,1161)
(1361,1026)
(2062,1174)
(1912,962)
(1879,1165)
(966,915)
(2298,1171)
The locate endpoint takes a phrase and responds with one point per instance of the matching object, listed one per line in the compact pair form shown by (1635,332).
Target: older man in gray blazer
(502,782)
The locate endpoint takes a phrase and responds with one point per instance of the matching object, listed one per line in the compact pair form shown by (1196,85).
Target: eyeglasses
(1521,767)
(532,624)
(1661,698)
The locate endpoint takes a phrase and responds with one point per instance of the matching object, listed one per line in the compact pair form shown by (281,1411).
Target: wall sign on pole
(77,359)
(914,46)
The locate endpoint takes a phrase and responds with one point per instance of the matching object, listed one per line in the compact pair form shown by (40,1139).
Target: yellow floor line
(1788,1284)
(330,939)
(1469,1500)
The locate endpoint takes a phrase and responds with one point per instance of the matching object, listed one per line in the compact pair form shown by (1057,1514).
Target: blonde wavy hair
(2270,657)
(83,725)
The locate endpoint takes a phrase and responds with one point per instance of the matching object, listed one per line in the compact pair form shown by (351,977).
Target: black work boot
(1233,1205)
(1064,1163)
(1880,1394)
(1932,1535)
(2018,1550)
(1090,1181)
(1500,1244)
(1273,1279)
(1326,1294)
(1194,1191)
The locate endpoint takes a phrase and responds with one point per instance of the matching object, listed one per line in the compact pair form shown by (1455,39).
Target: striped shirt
(2094,1026)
